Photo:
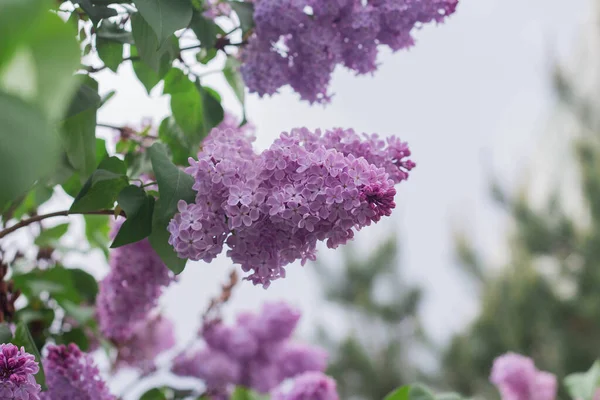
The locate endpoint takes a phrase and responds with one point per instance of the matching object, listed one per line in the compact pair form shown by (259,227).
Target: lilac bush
(300,42)
(272,208)
(256,352)
(268,208)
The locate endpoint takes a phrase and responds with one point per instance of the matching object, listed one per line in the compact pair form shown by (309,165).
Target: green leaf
(231,71)
(165,16)
(205,56)
(420,392)
(5,333)
(35,197)
(96,12)
(106,98)
(173,183)
(73,185)
(211,109)
(23,338)
(170,134)
(38,55)
(110,52)
(97,228)
(139,208)
(448,396)
(159,240)
(85,97)
(177,82)
(154,394)
(51,236)
(78,132)
(62,284)
(205,29)
(82,314)
(399,394)
(245,13)
(56,55)
(138,164)
(241,393)
(17,20)
(144,73)
(28,149)
(157,57)
(102,188)
(75,335)
(114,165)
(28,315)
(583,385)
(57,281)
(187,110)
(85,284)
(110,31)
(101,152)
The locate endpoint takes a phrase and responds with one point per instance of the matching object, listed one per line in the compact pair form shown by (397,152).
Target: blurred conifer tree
(380,311)
(545,302)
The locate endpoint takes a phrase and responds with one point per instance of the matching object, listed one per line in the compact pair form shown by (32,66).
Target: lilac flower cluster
(17,370)
(517,378)
(256,352)
(71,374)
(308,386)
(300,42)
(150,339)
(216,8)
(131,289)
(272,208)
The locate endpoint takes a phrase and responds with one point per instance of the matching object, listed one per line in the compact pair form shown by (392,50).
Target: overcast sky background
(472,99)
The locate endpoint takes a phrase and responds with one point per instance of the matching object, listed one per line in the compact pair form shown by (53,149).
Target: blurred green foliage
(380,311)
(544,302)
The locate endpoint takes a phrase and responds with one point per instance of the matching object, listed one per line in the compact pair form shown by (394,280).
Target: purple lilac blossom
(17,370)
(300,42)
(271,209)
(308,386)
(517,378)
(131,289)
(216,8)
(246,354)
(151,338)
(71,374)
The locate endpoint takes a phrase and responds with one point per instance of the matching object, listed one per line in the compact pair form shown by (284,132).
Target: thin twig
(196,46)
(223,297)
(149,184)
(116,128)
(63,213)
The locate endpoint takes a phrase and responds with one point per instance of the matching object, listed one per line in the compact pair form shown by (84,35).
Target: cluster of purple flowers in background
(131,289)
(517,378)
(72,374)
(256,353)
(308,386)
(272,208)
(152,338)
(300,42)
